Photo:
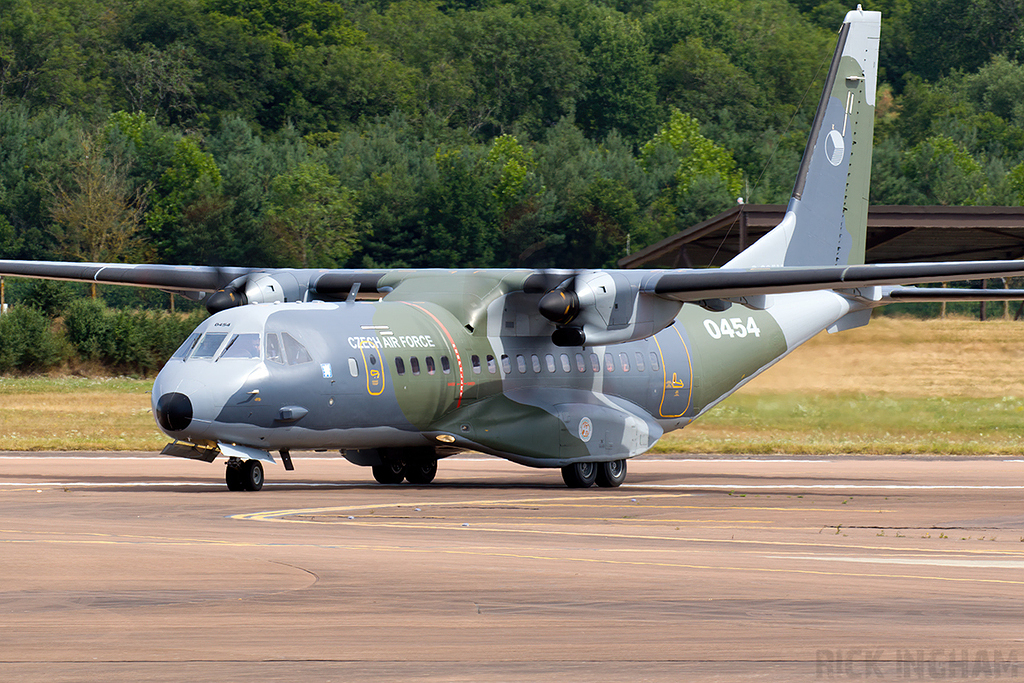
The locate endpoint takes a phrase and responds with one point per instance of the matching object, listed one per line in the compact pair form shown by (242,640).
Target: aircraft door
(677,373)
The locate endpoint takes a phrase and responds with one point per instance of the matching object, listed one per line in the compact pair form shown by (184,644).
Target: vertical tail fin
(826,220)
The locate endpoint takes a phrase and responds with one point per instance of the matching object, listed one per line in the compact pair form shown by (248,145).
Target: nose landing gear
(244,475)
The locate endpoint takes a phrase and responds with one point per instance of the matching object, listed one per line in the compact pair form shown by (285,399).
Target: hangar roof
(896,234)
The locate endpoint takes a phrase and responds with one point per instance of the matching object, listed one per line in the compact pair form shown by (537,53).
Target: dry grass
(77,413)
(906,357)
(897,386)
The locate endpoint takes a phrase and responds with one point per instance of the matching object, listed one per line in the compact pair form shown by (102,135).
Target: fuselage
(406,374)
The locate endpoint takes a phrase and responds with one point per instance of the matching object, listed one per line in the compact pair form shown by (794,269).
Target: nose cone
(174,411)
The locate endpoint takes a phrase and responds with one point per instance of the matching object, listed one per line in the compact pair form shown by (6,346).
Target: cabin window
(595,363)
(186,346)
(566,365)
(639,362)
(581,363)
(609,362)
(506,364)
(274,349)
(209,345)
(414,365)
(243,346)
(400,366)
(521,364)
(476,364)
(446,365)
(492,365)
(654,362)
(624,361)
(536,363)
(429,360)
(549,360)
(353,367)
(294,352)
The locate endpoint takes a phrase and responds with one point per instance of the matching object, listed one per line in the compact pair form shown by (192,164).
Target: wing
(220,287)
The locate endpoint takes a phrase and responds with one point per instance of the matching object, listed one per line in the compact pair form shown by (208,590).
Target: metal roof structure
(896,234)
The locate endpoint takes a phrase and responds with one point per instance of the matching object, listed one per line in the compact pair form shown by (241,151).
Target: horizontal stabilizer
(916,294)
(695,285)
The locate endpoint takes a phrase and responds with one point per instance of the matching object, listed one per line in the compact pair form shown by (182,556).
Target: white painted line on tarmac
(977,563)
(771,487)
(722,487)
(95,484)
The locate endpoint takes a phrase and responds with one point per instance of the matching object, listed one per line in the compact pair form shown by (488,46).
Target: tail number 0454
(731,327)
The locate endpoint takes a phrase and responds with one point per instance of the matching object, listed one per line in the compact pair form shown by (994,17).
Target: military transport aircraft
(579,370)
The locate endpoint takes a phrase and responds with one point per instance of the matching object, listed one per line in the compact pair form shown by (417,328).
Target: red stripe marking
(458,356)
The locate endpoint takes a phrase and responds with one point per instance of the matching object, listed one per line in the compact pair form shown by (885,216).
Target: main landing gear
(581,475)
(244,475)
(420,472)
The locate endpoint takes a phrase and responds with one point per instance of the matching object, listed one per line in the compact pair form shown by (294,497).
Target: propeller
(561,306)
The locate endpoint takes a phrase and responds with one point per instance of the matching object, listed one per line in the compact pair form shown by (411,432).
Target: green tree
(99,213)
(459,229)
(697,156)
(944,173)
(620,92)
(312,215)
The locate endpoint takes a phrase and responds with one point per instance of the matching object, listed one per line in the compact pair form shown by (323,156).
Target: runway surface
(145,568)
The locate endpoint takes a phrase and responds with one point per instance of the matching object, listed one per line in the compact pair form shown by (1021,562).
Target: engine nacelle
(257,288)
(599,307)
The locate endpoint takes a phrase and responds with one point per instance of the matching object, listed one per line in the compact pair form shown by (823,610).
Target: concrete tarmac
(139,567)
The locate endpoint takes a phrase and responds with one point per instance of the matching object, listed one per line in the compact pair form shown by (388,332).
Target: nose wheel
(244,475)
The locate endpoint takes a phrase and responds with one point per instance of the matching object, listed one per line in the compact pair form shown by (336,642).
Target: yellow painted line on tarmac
(677,565)
(280,515)
(458,526)
(525,519)
(132,540)
(271,515)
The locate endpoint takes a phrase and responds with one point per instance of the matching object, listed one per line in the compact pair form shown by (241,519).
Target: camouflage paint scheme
(544,368)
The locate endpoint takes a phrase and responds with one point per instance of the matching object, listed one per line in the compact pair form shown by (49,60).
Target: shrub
(28,342)
(138,341)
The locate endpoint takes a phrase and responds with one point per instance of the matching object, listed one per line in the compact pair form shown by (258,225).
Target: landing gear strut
(244,475)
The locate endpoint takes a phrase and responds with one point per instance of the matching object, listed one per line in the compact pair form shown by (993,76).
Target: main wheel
(579,475)
(233,477)
(422,472)
(611,474)
(252,475)
(392,472)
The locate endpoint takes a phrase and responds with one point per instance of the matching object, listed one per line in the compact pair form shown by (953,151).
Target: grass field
(897,386)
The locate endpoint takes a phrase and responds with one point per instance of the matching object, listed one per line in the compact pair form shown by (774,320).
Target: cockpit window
(295,352)
(209,345)
(274,349)
(242,346)
(187,346)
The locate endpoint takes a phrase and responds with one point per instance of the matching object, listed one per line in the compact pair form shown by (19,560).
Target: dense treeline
(464,133)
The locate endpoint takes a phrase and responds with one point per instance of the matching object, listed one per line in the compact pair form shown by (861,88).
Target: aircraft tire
(252,475)
(389,473)
(580,475)
(422,472)
(611,474)
(233,477)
